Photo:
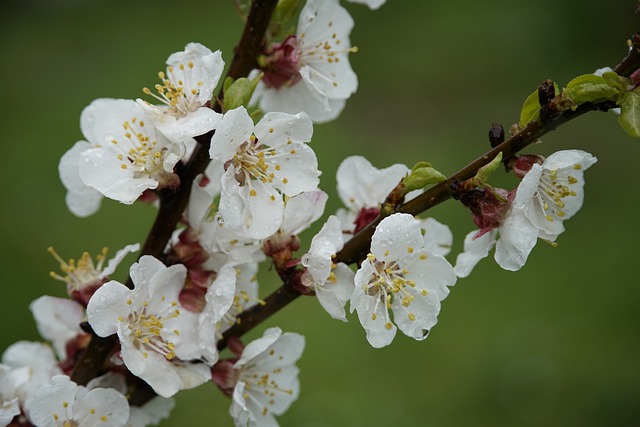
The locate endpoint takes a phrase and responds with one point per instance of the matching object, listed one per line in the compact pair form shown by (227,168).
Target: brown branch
(358,246)
(174,202)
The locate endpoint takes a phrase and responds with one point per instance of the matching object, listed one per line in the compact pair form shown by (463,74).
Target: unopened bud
(496,135)
(421,176)
(524,163)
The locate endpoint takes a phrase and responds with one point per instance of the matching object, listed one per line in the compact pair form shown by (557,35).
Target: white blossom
(150,413)
(84,272)
(267,378)
(332,282)
(127,154)
(187,87)
(363,187)
(311,70)
(32,364)
(58,321)
(399,275)
(62,403)
(157,338)
(547,195)
(262,163)
(10,381)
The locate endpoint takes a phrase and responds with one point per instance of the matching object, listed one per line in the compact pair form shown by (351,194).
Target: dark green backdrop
(555,344)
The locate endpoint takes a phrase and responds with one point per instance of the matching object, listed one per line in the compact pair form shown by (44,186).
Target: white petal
(438,237)
(101,169)
(50,399)
(303,210)
(424,308)
(257,216)
(116,260)
(474,251)
(81,199)
(396,237)
(295,167)
(106,305)
(298,98)
(517,238)
(568,159)
(207,69)
(58,320)
(104,117)
(235,128)
(102,407)
(258,346)
(333,296)
(277,129)
(362,185)
(429,271)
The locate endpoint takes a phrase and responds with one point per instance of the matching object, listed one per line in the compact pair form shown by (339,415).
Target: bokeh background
(556,344)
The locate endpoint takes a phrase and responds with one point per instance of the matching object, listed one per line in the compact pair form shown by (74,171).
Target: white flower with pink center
(400,276)
(63,403)
(332,282)
(263,163)
(127,154)
(548,194)
(158,338)
(185,93)
(310,71)
(267,378)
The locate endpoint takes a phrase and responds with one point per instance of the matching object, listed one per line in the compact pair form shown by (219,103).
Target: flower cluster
(256,192)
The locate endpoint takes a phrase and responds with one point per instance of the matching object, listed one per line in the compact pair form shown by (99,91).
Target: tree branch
(358,246)
(174,202)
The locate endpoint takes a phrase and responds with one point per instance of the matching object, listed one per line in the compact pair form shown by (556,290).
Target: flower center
(178,90)
(281,65)
(138,150)
(552,190)
(250,162)
(81,273)
(389,284)
(148,330)
(263,384)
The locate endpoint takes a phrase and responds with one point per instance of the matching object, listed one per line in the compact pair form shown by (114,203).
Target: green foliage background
(555,344)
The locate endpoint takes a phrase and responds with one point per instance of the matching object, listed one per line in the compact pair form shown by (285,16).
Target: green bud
(482,176)
(421,165)
(421,176)
(239,92)
(591,88)
(630,113)
(283,18)
(616,81)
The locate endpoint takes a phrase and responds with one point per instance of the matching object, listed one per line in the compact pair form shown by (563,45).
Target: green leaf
(421,165)
(239,92)
(531,107)
(615,80)
(227,82)
(630,113)
(482,176)
(422,176)
(591,88)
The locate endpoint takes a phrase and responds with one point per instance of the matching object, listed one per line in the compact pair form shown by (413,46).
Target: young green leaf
(591,88)
(629,117)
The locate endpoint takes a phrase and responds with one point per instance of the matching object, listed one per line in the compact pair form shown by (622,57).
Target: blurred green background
(555,344)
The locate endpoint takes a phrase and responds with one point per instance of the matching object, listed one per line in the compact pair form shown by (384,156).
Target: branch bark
(358,246)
